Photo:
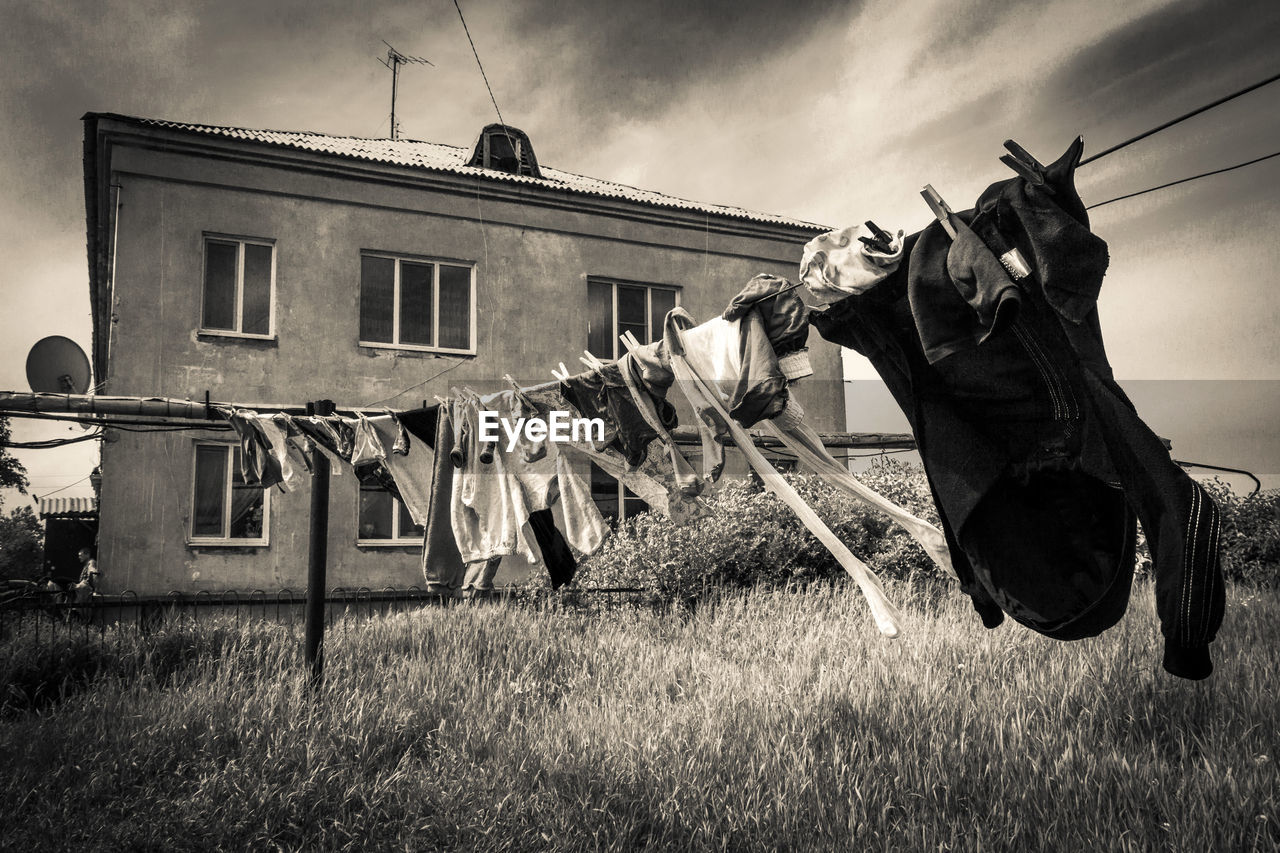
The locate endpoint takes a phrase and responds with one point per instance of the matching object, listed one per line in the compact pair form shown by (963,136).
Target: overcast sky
(830,112)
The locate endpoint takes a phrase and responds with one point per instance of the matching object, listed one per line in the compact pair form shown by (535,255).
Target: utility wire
(1185,180)
(50,443)
(64,488)
(1172,122)
(476,53)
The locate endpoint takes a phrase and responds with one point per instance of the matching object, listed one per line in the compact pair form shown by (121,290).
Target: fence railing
(49,616)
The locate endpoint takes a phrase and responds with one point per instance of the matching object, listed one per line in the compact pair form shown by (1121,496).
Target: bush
(753,539)
(1250,534)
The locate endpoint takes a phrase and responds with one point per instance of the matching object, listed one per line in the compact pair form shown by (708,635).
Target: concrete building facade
(277,268)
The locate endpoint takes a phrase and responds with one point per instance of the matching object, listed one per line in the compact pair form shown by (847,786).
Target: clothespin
(562,374)
(629,341)
(1028,167)
(591,361)
(519,391)
(880,240)
(940,209)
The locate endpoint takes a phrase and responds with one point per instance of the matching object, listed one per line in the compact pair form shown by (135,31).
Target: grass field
(767,722)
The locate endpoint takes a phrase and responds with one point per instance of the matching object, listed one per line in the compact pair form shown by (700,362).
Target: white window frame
(618,349)
(435,302)
(225,541)
(648,306)
(240,242)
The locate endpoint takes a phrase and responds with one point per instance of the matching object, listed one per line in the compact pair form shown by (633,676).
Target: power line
(64,488)
(1246,90)
(50,443)
(476,53)
(1185,180)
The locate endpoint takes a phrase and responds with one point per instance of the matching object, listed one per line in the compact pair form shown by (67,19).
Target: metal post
(317,554)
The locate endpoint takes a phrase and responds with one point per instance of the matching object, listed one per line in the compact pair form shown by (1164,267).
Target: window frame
(396,541)
(435,262)
(225,541)
(614,284)
(241,241)
(618,349)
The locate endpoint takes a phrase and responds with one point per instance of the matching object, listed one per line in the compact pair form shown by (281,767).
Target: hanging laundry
(1037,460)
(785,318)
(652,481)
(491,503)
(411,472)
(366,447)
(442,566)
(557,556)
(735,359)
(839,263)
(264,449)
(603,394)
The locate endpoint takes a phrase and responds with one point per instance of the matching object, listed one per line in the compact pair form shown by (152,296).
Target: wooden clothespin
(1028,167)
(524,398)
(940,209)
(562,374)
(591,361)
(629,341)
(880,240)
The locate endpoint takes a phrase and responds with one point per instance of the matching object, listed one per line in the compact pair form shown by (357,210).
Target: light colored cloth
(491,502)
(837,264)
(411,471)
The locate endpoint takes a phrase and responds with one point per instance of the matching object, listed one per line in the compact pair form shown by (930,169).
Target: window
(417,304)
(225,509)
(239,281)
(615,501)
(384,520)
(614,308)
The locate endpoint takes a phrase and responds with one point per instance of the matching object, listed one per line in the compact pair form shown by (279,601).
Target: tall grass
(765,721)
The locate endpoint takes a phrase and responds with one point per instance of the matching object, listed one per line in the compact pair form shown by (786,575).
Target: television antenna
(393,61)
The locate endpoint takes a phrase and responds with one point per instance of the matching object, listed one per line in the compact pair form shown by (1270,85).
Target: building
(278,267)
(69,525)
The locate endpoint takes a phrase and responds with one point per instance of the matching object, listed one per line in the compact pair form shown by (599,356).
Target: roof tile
(448,158)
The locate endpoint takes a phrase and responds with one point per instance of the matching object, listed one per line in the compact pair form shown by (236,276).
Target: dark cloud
(631,60)
(1171,60)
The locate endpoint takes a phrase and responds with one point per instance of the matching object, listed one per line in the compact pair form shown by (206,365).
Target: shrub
(753,539)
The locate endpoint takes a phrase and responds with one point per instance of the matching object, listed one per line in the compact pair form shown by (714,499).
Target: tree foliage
(21,552)
(13,474)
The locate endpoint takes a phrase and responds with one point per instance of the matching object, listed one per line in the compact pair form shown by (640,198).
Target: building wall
(532,258)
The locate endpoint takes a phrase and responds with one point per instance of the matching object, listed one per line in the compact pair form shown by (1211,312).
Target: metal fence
(50,617)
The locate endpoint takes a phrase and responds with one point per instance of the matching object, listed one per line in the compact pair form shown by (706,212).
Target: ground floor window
(615,501)
(226,509)
(384,520)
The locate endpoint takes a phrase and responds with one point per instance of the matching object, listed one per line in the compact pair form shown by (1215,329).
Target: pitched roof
(448,158)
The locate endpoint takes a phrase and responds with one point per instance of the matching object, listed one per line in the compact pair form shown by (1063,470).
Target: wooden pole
(317,554)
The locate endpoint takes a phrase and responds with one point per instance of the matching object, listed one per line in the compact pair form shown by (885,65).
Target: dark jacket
(1037,460)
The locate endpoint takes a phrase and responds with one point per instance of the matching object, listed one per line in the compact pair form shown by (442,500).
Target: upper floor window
(225,510)
(417,303)
(614,308)
(239,286)
(384,520)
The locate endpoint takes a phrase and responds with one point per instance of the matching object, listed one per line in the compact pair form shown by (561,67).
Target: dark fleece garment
(603,394)
(1037,460)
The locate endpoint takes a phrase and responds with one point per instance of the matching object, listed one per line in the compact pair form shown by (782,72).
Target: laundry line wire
(1114,148)
(1186,180)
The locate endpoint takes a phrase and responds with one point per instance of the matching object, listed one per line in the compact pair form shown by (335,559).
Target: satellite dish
(57,365)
